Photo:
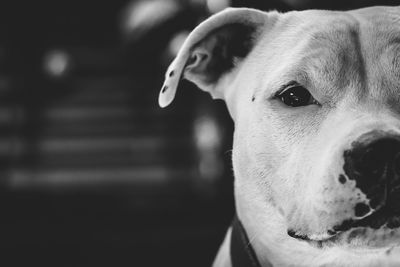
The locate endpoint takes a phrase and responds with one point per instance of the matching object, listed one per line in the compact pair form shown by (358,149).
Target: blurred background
(93,172)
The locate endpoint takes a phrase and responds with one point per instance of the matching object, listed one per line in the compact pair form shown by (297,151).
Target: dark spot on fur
(171,73)
(344,226)
(342,179)
(253,98)
(361,209)
(165,88)
(331,232)
(356,233)
(352,235)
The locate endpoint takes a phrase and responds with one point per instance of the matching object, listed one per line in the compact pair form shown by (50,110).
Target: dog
(315,98)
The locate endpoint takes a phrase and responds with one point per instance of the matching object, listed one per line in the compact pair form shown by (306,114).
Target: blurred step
(183,158)
(106,90)
(93,146)
(114,127)
(154,175)
(93,113)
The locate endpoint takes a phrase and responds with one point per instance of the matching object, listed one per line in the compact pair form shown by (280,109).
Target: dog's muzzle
(373,162)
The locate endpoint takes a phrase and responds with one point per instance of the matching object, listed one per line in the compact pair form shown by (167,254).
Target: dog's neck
(241,250)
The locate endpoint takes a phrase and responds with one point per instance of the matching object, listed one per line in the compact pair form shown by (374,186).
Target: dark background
(93,172)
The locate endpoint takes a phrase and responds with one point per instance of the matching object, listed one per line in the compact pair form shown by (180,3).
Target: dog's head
(315,97)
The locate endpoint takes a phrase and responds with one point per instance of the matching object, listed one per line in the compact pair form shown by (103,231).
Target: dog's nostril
(361,209)
(374,163)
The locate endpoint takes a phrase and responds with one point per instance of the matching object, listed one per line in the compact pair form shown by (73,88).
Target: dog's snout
(374,163)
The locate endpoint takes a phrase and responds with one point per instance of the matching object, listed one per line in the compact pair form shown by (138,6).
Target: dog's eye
(296,96)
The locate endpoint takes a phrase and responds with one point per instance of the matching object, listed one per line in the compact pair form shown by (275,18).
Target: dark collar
(242,252)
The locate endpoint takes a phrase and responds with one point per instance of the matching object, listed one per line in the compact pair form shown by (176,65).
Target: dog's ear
(213,49)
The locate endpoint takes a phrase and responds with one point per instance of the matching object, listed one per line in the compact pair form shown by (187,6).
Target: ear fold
(212,50)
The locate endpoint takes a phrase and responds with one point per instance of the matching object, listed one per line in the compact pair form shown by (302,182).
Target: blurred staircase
(93,164)
(102,129)
(93,172)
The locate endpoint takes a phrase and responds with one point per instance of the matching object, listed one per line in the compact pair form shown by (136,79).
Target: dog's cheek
(255,161)
(253,165)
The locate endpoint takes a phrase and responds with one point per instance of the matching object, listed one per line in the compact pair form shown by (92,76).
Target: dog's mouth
(382,217)
(380,228)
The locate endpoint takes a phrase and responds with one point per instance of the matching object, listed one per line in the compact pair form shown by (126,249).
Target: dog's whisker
(252,238)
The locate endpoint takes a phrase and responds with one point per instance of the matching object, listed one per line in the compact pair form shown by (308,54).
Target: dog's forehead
(373,32)
(380,28)
(337,50)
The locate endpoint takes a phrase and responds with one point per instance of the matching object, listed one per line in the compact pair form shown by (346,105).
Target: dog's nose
(374,163)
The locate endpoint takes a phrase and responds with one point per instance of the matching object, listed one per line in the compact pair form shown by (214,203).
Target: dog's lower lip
(354,228)
(293,234)
(379,218)
(374,221)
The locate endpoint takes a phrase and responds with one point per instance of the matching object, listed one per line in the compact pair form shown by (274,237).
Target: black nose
(374,163)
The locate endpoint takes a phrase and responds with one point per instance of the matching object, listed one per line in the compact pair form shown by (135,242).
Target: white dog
(315,97)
